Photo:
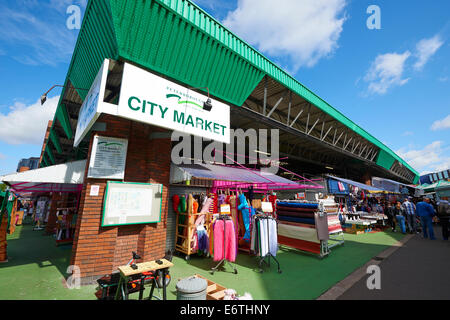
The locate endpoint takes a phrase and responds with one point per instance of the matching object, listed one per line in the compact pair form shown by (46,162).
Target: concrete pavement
(419,269)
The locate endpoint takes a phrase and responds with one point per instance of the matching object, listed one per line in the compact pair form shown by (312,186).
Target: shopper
(410,210)
(443,211)
(389,212)
(399,214)
(426,212)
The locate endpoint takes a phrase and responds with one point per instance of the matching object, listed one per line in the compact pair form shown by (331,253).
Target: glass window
(446,174)
(435,177)
(440,176)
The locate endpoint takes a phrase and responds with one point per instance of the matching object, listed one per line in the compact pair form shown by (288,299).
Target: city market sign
(148,98)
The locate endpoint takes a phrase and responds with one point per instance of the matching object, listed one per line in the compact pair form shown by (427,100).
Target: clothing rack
(184,231)
(266,259)
(224,260)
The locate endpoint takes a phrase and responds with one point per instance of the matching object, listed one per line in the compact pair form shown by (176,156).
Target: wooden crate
(214,291)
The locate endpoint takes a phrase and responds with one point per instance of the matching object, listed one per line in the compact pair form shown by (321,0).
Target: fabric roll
(302,225)
(334,229)
(296,214)
(305,210)
(306,234)
(296,219)
(218,240)
(298,204)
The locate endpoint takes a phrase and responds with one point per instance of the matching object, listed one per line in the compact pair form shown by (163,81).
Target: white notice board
(131,203)
(108,158)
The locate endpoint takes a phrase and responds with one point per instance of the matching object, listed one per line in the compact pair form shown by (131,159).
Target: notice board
(128,203)
(108,158)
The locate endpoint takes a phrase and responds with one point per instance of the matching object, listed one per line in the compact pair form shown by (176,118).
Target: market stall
(362,211)
(245,199)
(53,196)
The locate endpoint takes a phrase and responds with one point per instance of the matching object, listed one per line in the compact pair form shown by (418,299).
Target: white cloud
(431,158)
(443,79)
(426,48)
(38,31)
(2,156)
(27,124)
(441,124)
(386,72)
(298,31)
(407,133)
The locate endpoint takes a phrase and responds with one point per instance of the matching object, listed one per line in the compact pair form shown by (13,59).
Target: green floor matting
(36,269)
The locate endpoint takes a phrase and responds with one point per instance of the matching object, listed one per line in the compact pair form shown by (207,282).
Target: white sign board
(151,99)
(94,191)
(108,158)
(131,203)
(93,104)
(148,98)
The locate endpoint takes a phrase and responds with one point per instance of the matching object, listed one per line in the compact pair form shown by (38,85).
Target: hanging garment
(195,206)
(175,203)
(182,207)
(247,212)
(273,237)
(251,194)
(218,240)
(264,237)
(254,235)
(205,209)
(221,199)
(273,199)
(203,241)
(213,208)
(230,245)
(256,203)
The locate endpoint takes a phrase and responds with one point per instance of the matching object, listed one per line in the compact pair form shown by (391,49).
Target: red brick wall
(98,251)
(47,134)
(3,243)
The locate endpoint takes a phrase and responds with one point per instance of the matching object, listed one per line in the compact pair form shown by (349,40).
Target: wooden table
(127,271)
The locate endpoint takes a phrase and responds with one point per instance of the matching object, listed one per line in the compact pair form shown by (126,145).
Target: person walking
(443,212)
(399,214)
(410,210)
(426,212)
(389,212)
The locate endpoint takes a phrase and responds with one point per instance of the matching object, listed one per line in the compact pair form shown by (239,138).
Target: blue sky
(393,82)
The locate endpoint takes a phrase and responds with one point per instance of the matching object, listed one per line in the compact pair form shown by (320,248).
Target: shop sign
(151,99)
(148,98)
(108,158)
(92,106)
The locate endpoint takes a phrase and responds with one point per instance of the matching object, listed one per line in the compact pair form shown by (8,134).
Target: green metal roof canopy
(179,40)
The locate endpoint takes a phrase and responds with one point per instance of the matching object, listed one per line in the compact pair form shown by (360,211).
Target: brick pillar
(56,203)
(98,251)
(3,244)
